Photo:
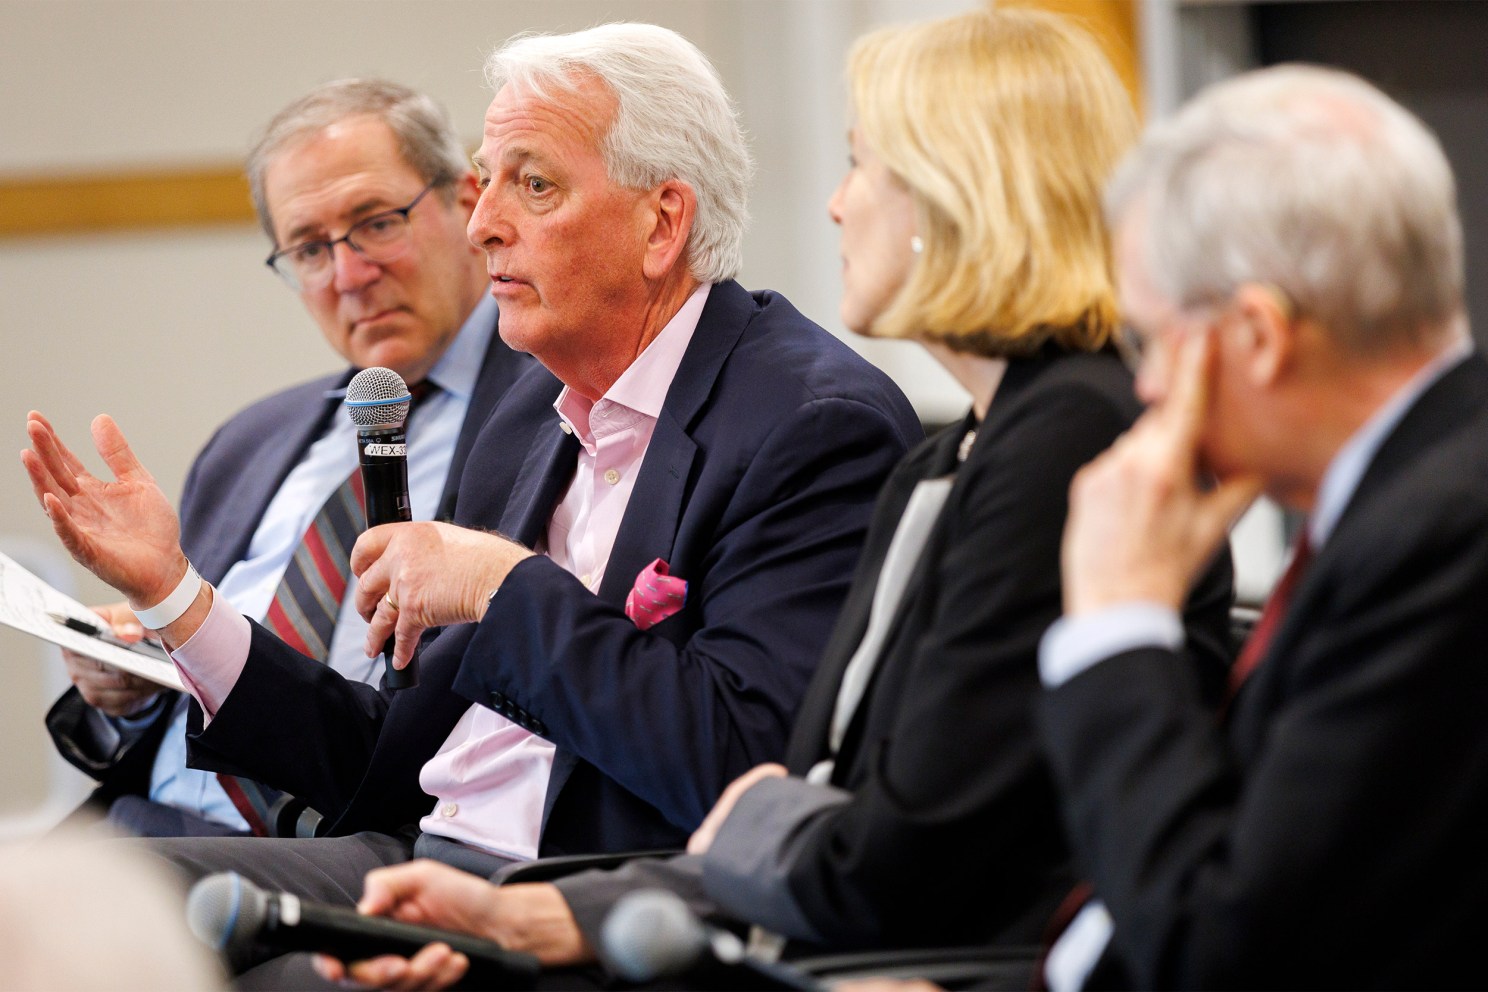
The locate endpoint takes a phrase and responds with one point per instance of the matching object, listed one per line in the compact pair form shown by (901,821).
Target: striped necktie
(305,606)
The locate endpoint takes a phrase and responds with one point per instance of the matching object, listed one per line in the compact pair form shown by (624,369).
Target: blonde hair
(1004,125)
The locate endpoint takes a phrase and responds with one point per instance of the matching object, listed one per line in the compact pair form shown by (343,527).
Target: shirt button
(449,809)
(612,477)
(586,578)
(563,426)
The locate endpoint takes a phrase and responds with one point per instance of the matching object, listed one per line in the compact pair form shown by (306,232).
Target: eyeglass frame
(330,244)
(1134,348)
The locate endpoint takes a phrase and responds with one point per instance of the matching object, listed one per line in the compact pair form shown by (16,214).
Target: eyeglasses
(380,238)
(1135,347)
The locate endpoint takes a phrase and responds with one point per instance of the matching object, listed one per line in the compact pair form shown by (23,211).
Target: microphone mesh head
(226,910)
(377,397)
(651,934)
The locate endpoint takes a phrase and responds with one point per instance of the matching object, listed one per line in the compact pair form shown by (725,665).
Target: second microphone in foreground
(228,912)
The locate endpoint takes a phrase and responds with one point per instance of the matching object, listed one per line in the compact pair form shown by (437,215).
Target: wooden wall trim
(194,197)
(1114,23)
(91,202)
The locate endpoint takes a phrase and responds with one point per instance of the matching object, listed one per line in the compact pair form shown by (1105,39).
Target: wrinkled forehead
(581,110)
(335,174)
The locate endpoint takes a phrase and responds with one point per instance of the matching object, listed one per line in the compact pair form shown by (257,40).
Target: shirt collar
(460,365)
(1348,465)
(643,386)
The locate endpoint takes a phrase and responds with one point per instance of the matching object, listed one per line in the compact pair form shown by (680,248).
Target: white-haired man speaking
(685,485)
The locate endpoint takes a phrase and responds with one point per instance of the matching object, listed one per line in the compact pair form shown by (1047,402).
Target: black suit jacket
(229,487)
(1331,834)
(756,489)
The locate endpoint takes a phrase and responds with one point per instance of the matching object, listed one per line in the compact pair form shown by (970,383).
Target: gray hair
(1314,181)
(426,138)
(674,121)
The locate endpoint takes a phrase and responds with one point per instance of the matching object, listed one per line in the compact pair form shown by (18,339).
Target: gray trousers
(326,870)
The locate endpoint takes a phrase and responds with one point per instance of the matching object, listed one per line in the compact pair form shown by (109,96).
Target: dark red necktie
(1259,641)
(1250,656)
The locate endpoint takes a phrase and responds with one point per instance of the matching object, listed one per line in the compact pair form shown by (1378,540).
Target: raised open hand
(125,531)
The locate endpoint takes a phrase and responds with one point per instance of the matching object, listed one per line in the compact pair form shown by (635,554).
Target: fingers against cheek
(1190,397)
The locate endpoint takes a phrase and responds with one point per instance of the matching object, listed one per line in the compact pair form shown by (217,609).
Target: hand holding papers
(29,604)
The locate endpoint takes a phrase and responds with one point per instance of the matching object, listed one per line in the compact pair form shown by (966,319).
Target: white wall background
(172,331)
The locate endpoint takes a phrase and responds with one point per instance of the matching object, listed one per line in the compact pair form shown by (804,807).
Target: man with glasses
(365,191)
(1291,261)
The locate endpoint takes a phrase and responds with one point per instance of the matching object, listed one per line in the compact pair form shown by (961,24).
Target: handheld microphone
(652,934)
(377,402)
(229,913)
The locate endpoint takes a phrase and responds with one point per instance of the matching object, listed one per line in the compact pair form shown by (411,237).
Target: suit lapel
(303,421)
(651,531)
(644,537)
(548,467)
(935,458)
(809,734)
(649,528)
(499,369)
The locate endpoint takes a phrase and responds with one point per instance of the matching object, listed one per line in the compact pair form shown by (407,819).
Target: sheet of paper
(26,601)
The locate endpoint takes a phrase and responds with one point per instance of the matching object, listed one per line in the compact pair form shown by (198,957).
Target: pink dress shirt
(490,778)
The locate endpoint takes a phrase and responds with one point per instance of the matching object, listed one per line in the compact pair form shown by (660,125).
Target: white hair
(674,121)
(1309,179)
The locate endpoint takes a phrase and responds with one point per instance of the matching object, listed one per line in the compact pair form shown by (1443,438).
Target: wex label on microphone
(376,450)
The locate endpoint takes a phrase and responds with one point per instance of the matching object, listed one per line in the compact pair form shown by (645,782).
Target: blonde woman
(913,807)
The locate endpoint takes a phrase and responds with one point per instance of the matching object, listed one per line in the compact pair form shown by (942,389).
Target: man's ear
(1265,335)
(669,211)
(467,193)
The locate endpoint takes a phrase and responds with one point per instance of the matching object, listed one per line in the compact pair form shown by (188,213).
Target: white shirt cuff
(1074,644)
(1078,950)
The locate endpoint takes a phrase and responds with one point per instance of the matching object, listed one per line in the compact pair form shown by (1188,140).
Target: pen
(93,630)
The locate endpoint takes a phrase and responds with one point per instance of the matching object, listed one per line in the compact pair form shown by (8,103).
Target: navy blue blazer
(757,490)
(225,495)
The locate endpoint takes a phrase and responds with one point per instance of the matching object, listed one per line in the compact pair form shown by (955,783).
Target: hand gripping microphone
(229,913)
(652,934)
(377,402)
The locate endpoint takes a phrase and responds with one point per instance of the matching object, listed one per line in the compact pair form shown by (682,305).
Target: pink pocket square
(655,596)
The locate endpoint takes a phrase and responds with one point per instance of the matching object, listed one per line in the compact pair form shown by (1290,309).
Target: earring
(916,245)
